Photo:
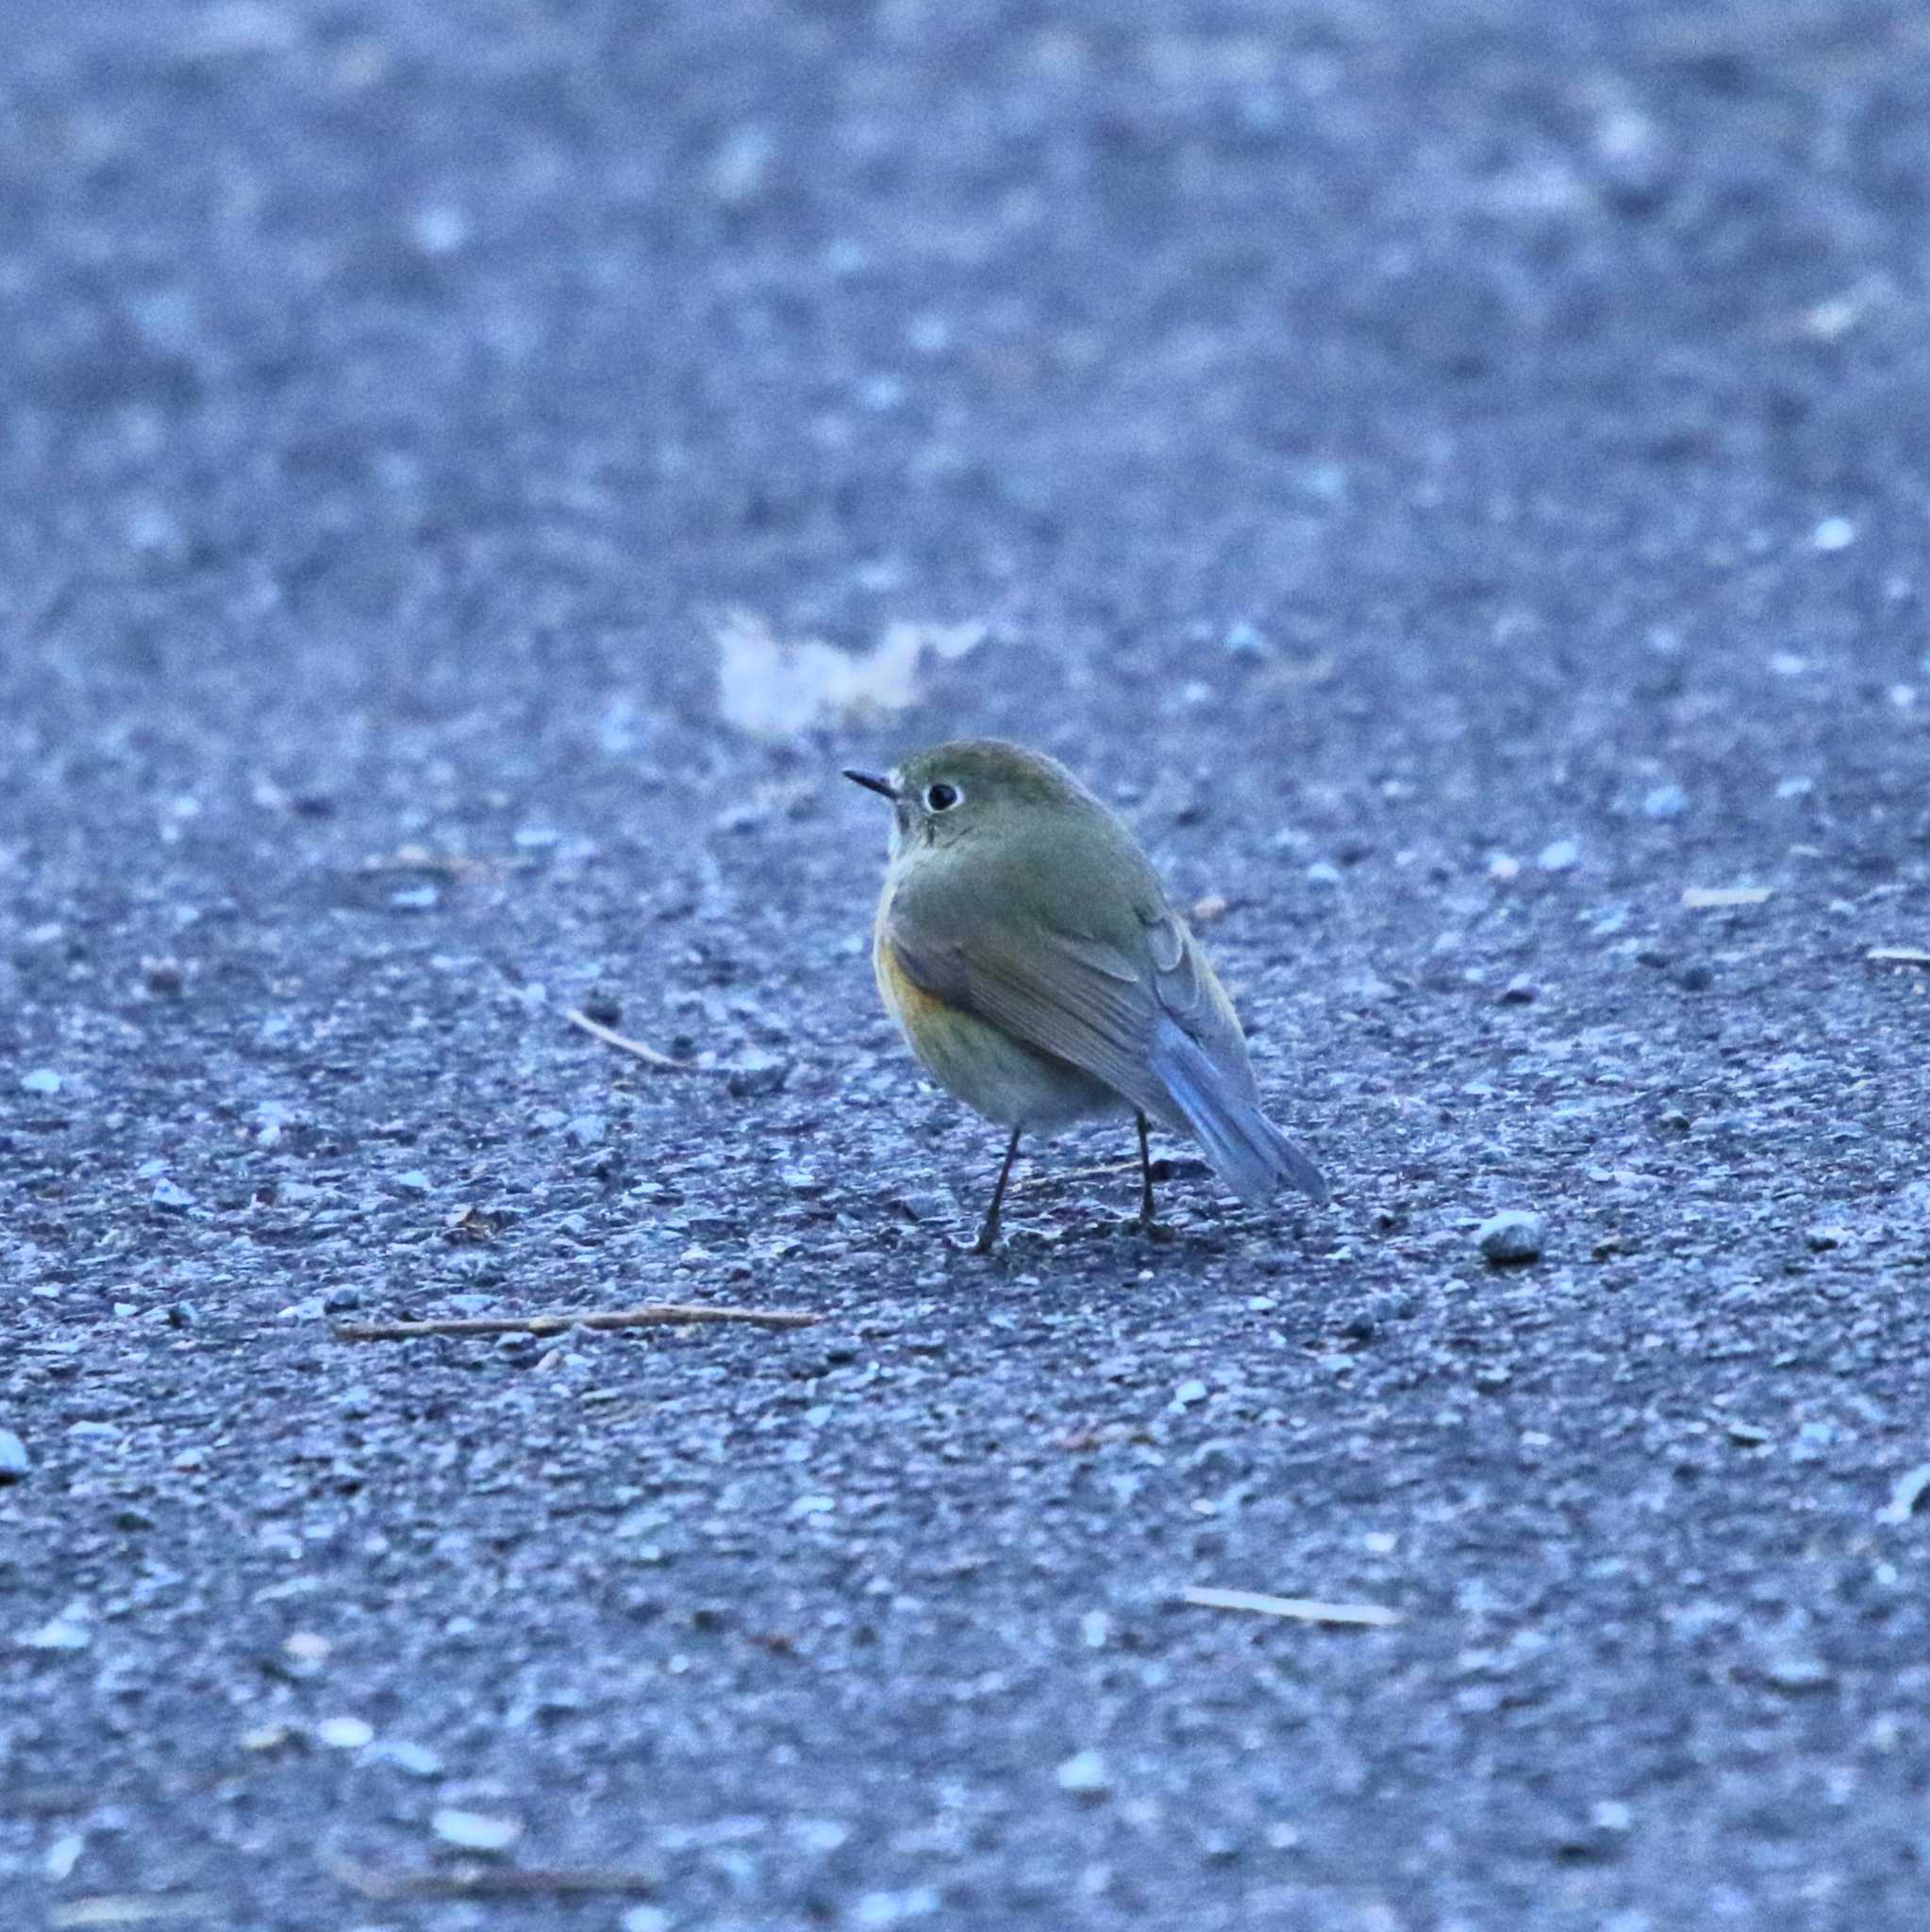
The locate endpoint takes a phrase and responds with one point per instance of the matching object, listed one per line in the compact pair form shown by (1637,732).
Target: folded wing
(1120,991)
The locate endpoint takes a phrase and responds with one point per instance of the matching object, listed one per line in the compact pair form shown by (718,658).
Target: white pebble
(1514,1235)
(1085,1774)
(474,1832)
(58,1633)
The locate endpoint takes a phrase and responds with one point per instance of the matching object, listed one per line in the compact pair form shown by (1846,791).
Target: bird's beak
(872,782)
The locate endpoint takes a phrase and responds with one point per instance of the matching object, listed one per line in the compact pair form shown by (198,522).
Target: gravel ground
(1455,474)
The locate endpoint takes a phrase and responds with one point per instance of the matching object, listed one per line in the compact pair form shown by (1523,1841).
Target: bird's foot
(984,1242)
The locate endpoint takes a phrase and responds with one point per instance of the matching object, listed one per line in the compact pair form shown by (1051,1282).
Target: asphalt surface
(1455,474)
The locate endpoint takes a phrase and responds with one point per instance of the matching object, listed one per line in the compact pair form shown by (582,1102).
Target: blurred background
(1453,472)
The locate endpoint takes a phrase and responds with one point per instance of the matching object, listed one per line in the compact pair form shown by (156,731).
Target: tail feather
(1248,1152)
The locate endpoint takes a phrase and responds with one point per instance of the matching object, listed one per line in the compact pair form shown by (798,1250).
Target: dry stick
(488,1881)
(1898,956)
(659,1315)
(623,1042)
(1725,898)
(129,1909)
(1302,1609)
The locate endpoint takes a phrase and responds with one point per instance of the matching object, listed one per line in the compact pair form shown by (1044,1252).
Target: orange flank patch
(915,1007)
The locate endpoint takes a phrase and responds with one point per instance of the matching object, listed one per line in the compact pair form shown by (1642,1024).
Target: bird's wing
(1090,997)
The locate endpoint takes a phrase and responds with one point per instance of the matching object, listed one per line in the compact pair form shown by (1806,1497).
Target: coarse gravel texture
(1455,474)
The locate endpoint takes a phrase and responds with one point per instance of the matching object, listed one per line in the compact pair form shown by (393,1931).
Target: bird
(1027,949)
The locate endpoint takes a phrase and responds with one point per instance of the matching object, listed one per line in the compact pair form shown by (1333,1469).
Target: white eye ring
(942,797)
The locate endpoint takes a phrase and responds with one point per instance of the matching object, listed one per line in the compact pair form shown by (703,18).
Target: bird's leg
(1146,1220)
(988,1228)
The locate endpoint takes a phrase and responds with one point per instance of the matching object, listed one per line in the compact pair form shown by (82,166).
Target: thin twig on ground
(129,1909)
(658,1315)
(448,865)
(1724,899)
(495,1881)
(636,1048)
(1302,1609)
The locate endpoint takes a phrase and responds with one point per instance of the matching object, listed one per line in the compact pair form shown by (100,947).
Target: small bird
(1027,951)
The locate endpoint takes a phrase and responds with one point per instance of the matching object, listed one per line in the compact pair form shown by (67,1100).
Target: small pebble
(1510,1237)
(58,1633)
(1799,1673)
(1911,1486)
(14,1461)
(924,1203)
(1665,802)
(1833,533)
(1559,854)
(1085,1775)
(756,1074)
(167,1195)
(41,1080)
(878,1910)
(1520,992)
(345,1733)
(473,1832)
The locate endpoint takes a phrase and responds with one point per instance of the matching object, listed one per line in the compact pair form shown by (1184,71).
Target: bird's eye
(942,797)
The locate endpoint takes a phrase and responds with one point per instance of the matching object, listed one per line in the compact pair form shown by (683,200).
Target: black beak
(872,782)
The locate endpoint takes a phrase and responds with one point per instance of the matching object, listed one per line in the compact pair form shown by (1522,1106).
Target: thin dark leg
(988,1228)
(1145,1176)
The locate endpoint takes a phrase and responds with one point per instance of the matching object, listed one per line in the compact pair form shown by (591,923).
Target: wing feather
(1083,971)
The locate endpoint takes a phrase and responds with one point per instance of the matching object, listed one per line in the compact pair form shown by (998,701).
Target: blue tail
(1248,1152)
